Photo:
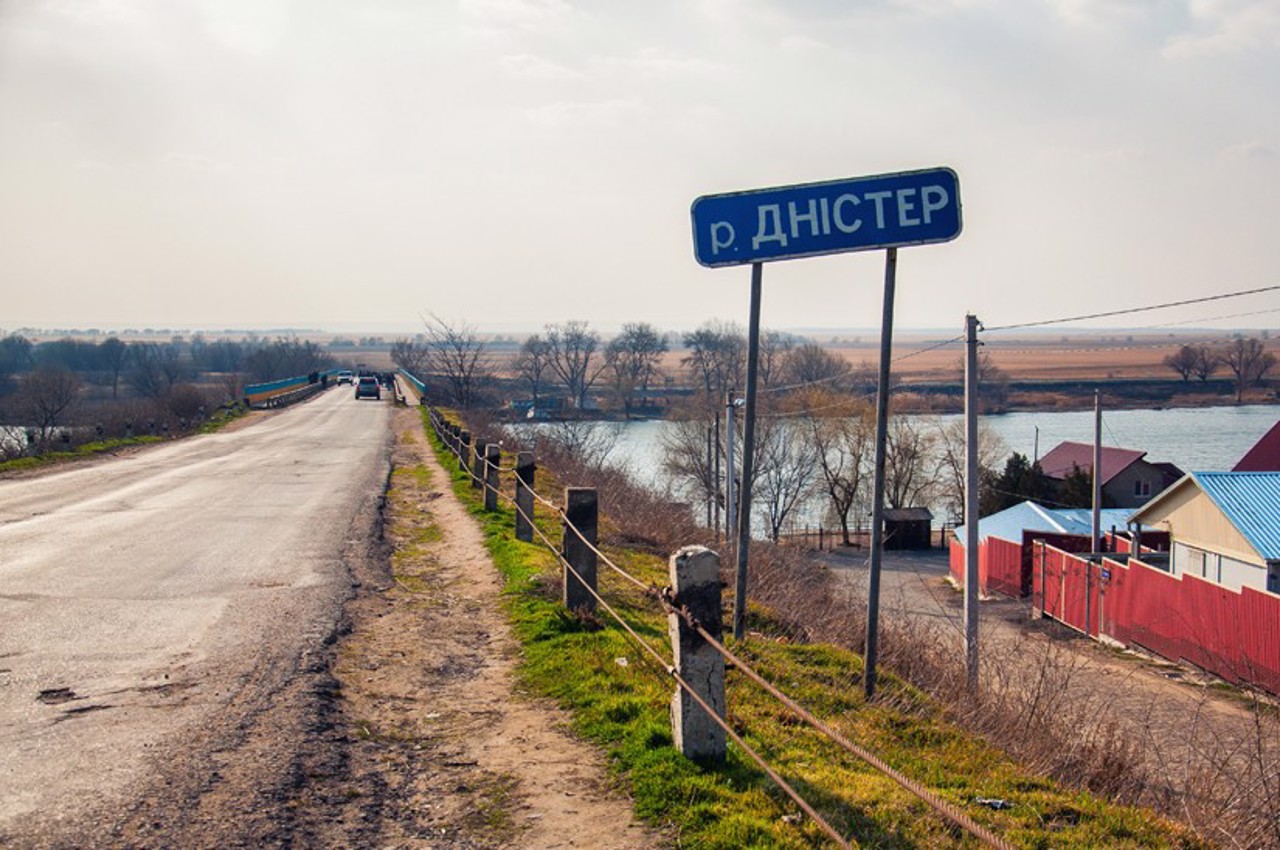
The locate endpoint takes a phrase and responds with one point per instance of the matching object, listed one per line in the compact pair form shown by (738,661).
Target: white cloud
(1102,13)
(1251,150)
(1228,26)
(577,114)
(660,62)
(528,66)
(519,14)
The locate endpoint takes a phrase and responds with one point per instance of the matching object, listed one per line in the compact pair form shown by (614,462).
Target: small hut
(908,528)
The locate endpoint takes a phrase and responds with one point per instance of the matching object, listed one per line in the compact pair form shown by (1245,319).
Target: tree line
(49,386)
(1246,359)
(571,362)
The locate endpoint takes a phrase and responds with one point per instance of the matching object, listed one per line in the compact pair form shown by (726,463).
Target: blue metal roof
(1251,500)
(1029,516)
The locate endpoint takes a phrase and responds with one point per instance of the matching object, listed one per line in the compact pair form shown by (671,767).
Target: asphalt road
(155,604)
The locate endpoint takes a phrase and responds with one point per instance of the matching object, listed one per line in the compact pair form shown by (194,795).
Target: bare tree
(457,354)
(1207,362)
(632,361)
(154,368)
(571,347)
(717,357)
(774,348)
(112,353)
(784,473)
(1249,361)
(687,461)
(844,445)
(45,396)
(909,462)
(532,363)
(951,463)
(411,355)
(15,358)
(810,364)
(590,443)
(1183,361)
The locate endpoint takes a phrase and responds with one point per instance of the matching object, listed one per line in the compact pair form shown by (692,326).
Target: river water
(1195,439)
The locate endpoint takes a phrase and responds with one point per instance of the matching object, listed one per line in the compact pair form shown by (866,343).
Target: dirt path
(442,750)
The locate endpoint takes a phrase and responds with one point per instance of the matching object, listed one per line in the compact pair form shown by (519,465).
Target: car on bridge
(346,377)
(367,387)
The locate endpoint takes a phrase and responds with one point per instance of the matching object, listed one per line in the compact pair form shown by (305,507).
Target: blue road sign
(857,214)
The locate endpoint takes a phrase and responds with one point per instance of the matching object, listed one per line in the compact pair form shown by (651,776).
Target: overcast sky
(514,162)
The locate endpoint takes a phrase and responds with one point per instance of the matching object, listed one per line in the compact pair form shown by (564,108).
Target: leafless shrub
(1037,699)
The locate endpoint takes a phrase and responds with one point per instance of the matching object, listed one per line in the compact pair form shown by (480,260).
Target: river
(1194,439)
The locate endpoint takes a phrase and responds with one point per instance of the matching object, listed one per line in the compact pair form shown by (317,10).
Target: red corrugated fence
(1233,634)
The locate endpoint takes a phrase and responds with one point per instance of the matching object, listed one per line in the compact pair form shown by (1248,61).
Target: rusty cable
(942,807)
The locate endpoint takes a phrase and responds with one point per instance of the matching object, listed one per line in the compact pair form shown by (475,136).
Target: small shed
(908,528)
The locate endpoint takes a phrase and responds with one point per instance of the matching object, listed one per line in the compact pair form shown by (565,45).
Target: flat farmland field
(933,357)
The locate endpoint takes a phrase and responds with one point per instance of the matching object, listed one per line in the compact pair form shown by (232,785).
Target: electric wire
(1130,310)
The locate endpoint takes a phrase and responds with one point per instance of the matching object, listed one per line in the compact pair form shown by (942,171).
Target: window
(1142,489)
(1196,563)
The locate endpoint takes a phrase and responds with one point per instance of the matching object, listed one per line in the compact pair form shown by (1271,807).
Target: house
(1265,454)
(1224,527)
(1128,479)
(1005,542)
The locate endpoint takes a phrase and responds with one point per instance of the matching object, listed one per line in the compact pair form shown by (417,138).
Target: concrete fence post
(477,463)
(580,509)
(695,584)
(464,448)
(493,462)
(525,471)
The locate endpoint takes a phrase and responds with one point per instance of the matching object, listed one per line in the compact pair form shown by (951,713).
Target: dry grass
(1034,703)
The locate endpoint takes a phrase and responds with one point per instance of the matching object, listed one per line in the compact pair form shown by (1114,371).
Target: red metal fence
(1232,634)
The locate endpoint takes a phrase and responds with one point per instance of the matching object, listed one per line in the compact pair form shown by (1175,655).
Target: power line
(927,349)
(1129,310)
(1249,314)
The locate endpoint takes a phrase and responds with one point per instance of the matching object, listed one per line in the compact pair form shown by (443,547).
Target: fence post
(455,438)
(492,464)
(580,511)
(477,463)
(464,449)
(525,471)
(695,583)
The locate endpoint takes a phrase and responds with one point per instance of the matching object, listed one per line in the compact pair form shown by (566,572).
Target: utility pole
(730,504)
(712,514)
(971,500)
(1097,470)
(716,478)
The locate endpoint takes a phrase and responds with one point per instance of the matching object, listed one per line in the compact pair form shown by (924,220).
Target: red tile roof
(1264,456)
(1064,457)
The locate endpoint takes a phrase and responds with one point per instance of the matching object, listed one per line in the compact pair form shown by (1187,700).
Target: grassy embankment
(619,700)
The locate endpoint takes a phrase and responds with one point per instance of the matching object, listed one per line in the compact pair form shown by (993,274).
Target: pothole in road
(56,696)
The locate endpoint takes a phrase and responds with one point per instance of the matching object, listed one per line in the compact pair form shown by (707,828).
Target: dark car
(367,387)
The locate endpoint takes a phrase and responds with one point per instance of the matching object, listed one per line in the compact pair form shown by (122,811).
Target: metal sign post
(748,456)
(859,214)
(871,655)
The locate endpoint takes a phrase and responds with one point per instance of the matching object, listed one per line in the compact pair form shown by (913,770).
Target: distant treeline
(56,394)
(152,368)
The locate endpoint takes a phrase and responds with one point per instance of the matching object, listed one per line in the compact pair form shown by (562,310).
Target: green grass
(623,708)
(78,453)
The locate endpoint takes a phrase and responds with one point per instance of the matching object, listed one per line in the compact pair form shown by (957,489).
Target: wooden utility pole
(971,500)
